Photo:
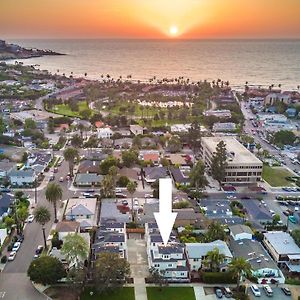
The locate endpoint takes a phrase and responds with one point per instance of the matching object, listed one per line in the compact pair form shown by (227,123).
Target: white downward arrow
(165,218)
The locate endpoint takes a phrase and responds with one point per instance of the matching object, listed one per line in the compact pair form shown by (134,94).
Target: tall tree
(214,259)
(215,232)
(110,271)
(46,270)
(75,248)
(157,277)
(219,162)
(197,176)
(22,215)
(42,216)
(70,154)
(53,195)
(107,187)
(131,188)
(194,136)
(76,141)
(238,267)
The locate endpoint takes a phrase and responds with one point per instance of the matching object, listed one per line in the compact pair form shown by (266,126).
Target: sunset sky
(150,18)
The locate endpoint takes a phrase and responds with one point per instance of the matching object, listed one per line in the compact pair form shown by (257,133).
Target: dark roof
(89,166)
(171,248)
(155,172)
(67,226)
(178,176)
(5,202)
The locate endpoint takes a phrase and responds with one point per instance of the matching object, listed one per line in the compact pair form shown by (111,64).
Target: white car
(268,290)
(231,197)
(255,290)
(16,246)
(12,255)
(30,218)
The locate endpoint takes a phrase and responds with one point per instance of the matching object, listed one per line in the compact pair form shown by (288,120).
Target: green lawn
(275,176)
(171,293)
(126,293)
(64,109)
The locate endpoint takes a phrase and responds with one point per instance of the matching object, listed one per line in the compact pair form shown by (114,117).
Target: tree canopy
(219,162)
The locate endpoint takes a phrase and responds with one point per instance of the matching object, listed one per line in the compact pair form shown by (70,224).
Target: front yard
(275,176)
(170,293)
(126,293)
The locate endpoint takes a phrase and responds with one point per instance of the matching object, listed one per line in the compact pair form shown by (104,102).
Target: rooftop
(239,228)
(239,153)
(282,242)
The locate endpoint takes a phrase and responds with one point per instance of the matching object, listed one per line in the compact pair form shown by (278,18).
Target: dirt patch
(61,293)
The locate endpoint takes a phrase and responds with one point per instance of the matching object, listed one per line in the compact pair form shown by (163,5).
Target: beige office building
(243,166)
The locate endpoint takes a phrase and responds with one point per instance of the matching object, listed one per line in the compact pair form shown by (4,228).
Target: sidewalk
(140,291)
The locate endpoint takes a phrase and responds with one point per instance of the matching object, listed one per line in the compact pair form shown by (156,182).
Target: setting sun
(173,30)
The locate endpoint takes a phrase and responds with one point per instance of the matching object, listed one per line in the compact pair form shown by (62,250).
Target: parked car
(120,195)
(88,195)
(255,290)
(12,255)
(20,238)
(227,292)
(52,177)
(38,251)
(268,290)
(61,179)
(16,246)
(124,202)
(30,218)
(218,292)
(55,170)
(286,291)
(292,219)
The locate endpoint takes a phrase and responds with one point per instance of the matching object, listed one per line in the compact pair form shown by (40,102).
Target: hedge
(218,277)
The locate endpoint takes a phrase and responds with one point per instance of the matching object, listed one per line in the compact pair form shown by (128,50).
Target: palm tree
(213,259)
(107,186)
(239,266)
(22,215)
(131,188)
(42,216)
(70,154)
(53,194)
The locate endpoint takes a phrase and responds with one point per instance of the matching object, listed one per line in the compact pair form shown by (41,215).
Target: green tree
(46,270)
(75,248)
(76,141)
(107,187)
(215,232)
(137,142)
(296,236)
(129,158)
(2,126)
(53,194)
(131,188)
(70,154)
(42,216)
(22,215)
(284,137)
(174,144)
(157,277)
(107,163)
(214,259)
(51,125)
(86,113)
(198,179)
(9,222)
(123,181)
(276,219)
(110,271)
(194,136)
(219,163)
(238,267)
(29,124)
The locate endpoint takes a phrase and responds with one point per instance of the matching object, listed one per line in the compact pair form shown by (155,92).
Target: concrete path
(140,291)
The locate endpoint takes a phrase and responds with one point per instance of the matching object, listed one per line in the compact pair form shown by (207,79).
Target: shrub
(123,181)
(9,247)
(3,259)
(218,277)
(181,204)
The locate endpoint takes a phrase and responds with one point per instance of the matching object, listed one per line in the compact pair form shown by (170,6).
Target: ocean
(260,62)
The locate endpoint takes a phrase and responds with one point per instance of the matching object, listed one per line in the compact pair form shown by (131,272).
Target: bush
(292,281)
(9,247)
(123,181)
(181,204)
(218,277)
(3,259)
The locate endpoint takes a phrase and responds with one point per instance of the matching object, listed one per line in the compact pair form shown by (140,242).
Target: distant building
(105,133)
(241,232)
(272,98)
(22,177)
(224,127)
(220,113)
(136,129)
(243,167)
(291,112)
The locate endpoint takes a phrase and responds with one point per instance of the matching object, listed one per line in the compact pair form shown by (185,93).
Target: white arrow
(165,218)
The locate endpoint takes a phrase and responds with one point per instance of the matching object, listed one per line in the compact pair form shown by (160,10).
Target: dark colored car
(286,291)
(20,238)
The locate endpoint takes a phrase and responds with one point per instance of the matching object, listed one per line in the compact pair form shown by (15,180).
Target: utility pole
(35,191)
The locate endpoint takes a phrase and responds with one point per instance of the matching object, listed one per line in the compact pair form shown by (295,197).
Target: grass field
(170,293)
(64,109)
(275,176)
(126,293)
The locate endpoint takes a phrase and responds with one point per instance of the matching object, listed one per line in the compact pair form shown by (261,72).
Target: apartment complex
(243,167)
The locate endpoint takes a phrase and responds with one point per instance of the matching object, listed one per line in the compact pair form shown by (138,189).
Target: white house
(136,129)
(64,228)
(240,232)
(22,177)
(197,253)
(3,235)
(105,133)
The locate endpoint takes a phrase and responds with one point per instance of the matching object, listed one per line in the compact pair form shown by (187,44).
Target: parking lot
(277,294)
(257,210)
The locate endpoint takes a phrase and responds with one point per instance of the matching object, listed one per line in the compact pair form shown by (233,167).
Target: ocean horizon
(258,61)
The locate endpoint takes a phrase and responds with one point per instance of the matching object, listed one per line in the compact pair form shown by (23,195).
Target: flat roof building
(243,167)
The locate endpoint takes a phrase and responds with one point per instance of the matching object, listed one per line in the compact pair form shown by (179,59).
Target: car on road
(268,290)
(218,292)
(255,290)
(52,177)
(38,251)
(120,195)
(20,238)
(148,196)
(292,219)
(124,202)
(286,291)
(12,255)
(30,218)
(16,246)
(88,195)
(55,170)
(231,197)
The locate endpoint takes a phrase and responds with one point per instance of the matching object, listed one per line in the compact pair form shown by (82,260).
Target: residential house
(105,133)
(262,265)
(39,161)
(6,200)
(150,155)
(89,166)
(224,127)
(185,216)
(181,175)
(197,254)
(154,173)
(5,166)
(88,180)
(178,159)
(272,98)
(291,112)
(136,129)
(123,143)
(220,113)
(283,249)
(241,232)
(82,210)
(94,154)
(64,228)
(22,177)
